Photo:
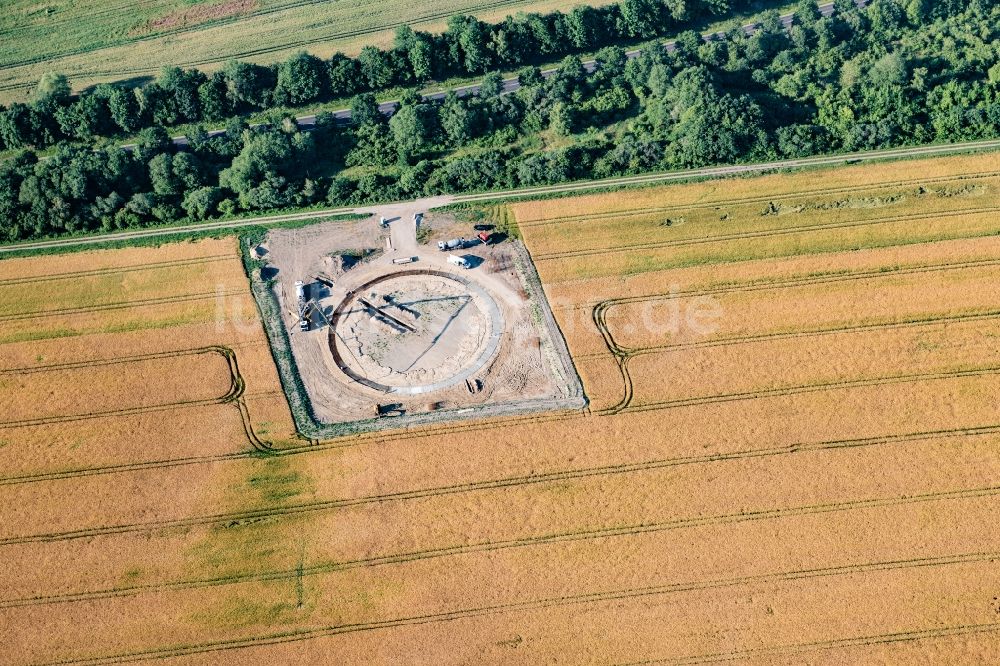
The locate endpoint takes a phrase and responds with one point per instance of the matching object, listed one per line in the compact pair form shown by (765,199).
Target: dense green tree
(151,142)
(414,178)
(412,129)
(584,27)
(161,176)
(641,18)
(343,75)
(419,50)
(213,97)
(340,191)
(203,202)
(249,85)
(561,119)
(187,170)
(828,84)
(456,119)
(529,76)
(704,126)
(887,19)
(301,79)
(807,13)
(376,69)
(491,85)
(470,38)
(259,174)
(365,111)
(173,98)
(85,118)
(20,127)
(123,104)
(678,10)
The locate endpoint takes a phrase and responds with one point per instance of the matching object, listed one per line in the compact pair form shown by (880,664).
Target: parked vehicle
(456,260)
(453,244)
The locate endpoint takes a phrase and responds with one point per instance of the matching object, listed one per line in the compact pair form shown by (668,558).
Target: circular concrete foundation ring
(486,352)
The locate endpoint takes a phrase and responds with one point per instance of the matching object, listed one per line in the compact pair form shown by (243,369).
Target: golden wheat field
(791,453)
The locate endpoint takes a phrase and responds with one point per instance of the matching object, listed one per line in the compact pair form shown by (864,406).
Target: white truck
(453,244)
(302,299)
(456,260)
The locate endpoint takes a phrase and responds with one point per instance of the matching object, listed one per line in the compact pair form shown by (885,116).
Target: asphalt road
(510,85)
(647,179)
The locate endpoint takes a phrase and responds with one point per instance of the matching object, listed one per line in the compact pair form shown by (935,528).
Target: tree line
(467,47)
(899,72)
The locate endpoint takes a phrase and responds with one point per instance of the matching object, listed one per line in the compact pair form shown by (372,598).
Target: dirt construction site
(383,325)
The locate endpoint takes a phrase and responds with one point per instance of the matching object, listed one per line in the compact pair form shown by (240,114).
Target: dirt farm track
(790,454)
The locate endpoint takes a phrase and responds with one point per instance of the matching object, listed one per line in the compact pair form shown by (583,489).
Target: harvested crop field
(94,42)
(791,458)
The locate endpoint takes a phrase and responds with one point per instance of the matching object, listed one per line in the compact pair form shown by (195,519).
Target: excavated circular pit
(415,331)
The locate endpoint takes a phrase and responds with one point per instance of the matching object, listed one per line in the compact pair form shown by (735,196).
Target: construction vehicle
(302,298)
(304,322)
(303,318)
(484,236)
(453,244)
(456,260)
(404,260)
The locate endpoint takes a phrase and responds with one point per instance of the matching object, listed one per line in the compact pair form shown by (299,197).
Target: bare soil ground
(450,357)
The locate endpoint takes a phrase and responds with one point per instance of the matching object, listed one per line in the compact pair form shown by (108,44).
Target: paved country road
(512,84)
(608,183)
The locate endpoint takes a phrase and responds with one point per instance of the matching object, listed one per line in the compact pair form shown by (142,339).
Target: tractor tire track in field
(707,205)
(134,8)
(100,272)
(563,601)
(123,305)
(401,558)
(110,10)
(800,389)
(237,518)
(234,392)
(600,310)
(310,446)
(786,283)
(140,38)
(622,357)
(751,235)
(291,44)
(117,360)
(833,644)
(810,333)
